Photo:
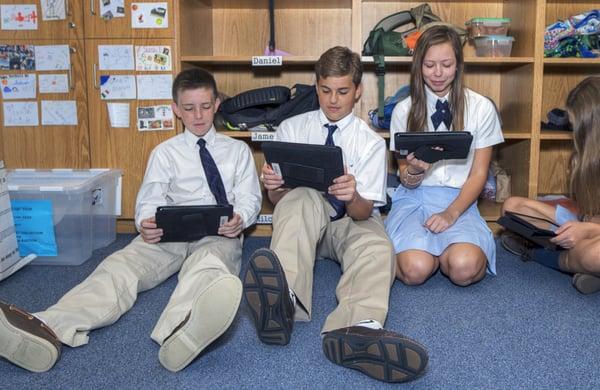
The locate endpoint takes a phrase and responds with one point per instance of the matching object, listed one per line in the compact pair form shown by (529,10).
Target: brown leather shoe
(26,341)
(586,283)
(378,353)
(267,293)
(516,245)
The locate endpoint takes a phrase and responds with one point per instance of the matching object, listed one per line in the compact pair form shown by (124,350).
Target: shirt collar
(432,98)
(341,124)
(191,139)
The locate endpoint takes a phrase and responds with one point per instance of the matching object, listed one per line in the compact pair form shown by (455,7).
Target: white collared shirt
(480,119)
(174,176)
(363,150)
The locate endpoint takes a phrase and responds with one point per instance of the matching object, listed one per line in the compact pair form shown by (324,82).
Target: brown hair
(193,78)
(583,105)
(417,117)
(338,62)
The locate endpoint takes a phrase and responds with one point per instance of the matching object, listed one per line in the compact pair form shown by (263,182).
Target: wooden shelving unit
(524,86)
(223,35)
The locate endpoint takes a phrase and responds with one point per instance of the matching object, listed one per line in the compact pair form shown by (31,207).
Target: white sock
(293,297)
(371,324)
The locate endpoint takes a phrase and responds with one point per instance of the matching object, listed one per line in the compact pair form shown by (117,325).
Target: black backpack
(268,106)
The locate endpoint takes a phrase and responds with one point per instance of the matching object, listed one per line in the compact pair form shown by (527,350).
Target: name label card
(264,219)
(263,136)
(267,60)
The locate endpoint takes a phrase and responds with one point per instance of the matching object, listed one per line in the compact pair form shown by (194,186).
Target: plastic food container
(478,27)
(493,46)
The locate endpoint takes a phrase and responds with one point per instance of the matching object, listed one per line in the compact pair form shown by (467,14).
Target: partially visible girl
(578,233)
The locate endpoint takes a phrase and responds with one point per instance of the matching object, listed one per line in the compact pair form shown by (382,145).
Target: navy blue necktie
(338,205)
(442,114)
(212,174)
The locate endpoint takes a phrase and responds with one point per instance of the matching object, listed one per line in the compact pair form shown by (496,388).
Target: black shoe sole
(388,359)
(264,291)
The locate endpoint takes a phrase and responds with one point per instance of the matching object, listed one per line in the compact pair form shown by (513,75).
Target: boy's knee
(301,194)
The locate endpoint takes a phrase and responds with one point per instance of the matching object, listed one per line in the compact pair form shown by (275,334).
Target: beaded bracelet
(411,180)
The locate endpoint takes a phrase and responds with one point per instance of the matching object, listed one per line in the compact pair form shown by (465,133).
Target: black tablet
(305,165)
(433,146)
(534,229)
(191,223)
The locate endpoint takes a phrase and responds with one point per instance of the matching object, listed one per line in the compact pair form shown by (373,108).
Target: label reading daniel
(267,60)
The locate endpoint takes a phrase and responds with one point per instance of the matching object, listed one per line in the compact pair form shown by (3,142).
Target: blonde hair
(417,117)
(583,105)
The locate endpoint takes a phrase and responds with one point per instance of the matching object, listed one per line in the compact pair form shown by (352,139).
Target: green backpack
(384,41)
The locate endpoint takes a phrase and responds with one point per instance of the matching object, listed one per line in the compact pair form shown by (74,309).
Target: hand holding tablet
(304,165)
(433,146)
(191,223)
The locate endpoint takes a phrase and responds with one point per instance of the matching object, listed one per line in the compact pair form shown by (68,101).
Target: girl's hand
(416,166)
(439,222)
(570,234)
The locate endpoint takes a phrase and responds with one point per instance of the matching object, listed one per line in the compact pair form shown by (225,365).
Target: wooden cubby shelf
(223,35)
(556,135)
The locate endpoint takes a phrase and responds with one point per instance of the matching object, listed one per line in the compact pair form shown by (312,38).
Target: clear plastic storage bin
(85,204)
(493,46)
(478,27)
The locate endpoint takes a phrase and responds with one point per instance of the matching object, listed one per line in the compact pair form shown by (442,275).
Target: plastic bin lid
(56,180)
(489,21)
(496,37)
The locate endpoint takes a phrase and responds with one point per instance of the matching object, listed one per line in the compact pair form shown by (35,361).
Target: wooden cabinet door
(97,26)
(50,146)
(116,147)
(48,27)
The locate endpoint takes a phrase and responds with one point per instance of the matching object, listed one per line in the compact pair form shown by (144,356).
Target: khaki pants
(111,290)
(302,231)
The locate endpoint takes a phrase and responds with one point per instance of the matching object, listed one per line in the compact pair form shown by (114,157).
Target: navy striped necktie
(213,177)
(338,205)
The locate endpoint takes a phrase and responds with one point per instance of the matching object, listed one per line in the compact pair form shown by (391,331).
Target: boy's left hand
(233,227)
(439,222)
(344,187)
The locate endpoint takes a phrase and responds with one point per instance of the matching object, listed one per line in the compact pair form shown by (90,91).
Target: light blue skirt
(410,210)
(563,215)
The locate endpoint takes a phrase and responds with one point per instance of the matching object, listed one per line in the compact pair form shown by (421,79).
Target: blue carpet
(526,328)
